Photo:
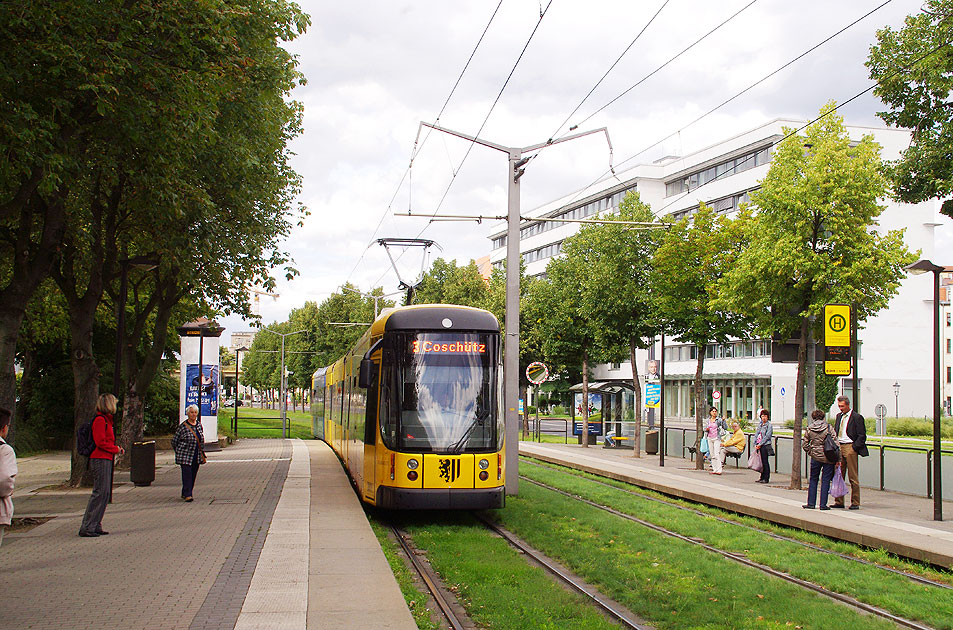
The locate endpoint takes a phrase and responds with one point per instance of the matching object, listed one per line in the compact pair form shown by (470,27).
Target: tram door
(371,432)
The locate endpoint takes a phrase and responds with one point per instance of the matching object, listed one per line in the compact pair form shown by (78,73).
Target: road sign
(782,392)
(537,373)
(837,338)
(715,395)
(881,411)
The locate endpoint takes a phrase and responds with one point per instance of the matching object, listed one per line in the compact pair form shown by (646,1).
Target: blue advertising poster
(209,388)
(653,394)
(595,428)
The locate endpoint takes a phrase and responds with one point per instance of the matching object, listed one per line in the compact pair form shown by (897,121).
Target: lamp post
(923,266)
(284,400)
(146,263)
(238,364)
(896,400)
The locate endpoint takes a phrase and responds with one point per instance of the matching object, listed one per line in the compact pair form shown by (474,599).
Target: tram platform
(275,539)
(899,523)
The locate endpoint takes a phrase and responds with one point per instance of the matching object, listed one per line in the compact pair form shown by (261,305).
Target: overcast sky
(376,68)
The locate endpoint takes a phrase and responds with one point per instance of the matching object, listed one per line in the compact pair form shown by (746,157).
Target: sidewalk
(900,523)
(254,550)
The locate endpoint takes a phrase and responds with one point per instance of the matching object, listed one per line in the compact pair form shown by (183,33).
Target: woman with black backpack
(101,463)
(818,431)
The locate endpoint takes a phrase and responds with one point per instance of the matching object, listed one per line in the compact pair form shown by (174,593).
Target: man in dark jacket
(852,436)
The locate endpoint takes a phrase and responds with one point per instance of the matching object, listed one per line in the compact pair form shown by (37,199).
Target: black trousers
(765,465)
(96,508)
(189,472)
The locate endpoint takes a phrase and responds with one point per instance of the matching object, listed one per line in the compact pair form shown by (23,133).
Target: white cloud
(375,69)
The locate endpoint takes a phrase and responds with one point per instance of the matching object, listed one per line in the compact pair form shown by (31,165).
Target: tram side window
(358,404)
(370,428)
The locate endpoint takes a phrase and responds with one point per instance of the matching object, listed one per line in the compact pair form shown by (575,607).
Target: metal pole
(284,407)
(120,329)
(238,353)
(511,342)
(937,475)
(661,408)
(855,343)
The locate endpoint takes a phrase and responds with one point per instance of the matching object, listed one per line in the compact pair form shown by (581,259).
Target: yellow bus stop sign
(837,337)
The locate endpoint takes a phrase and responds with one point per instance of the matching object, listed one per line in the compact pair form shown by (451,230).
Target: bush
(530,410)
(161,410)
(559,410)
(789,424)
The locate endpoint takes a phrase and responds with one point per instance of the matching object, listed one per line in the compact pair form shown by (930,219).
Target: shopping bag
(754,461)
(703,447)
(838,487)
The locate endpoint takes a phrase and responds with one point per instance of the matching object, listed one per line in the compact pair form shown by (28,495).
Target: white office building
(895,346)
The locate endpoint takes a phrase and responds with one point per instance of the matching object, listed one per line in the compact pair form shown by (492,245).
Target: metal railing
(893,472)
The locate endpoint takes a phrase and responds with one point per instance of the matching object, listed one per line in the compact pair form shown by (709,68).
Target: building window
(719,171)
(615,366)
(948,374)
(948,345)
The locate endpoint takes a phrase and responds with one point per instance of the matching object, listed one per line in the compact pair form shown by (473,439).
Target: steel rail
(601,602)
(427,577)
(741,559)
(911,576)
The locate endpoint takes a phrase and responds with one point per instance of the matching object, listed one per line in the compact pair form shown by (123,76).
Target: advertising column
(200,375)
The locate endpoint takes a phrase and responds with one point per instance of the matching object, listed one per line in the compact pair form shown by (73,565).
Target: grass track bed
(493,581)
(895,593)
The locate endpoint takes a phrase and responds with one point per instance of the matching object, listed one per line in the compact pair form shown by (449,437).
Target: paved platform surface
(274,539)
(900,523)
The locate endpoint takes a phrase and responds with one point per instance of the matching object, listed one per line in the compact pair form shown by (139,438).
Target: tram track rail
(743,560)
(911,576)
(609,608)
(430,580)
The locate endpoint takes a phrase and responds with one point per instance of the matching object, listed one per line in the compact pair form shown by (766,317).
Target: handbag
(703,447)
(838,487)
(202,457)
(754,461)
(831,449)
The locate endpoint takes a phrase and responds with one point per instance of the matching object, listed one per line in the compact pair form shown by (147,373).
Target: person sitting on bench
(734,443)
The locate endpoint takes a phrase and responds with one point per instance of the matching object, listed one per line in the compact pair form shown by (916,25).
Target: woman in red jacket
(101,463)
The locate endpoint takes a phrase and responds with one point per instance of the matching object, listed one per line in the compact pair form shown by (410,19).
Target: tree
(694,256)
(814,242)
(618,299)
(446,283)
(914,71)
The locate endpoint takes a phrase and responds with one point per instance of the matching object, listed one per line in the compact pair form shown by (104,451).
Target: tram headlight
(484,464)
(412,464)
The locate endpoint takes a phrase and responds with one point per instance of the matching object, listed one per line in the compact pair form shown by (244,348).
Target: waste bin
(651,442)
(143,463)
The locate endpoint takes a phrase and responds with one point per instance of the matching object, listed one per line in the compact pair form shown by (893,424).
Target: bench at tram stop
(737,456)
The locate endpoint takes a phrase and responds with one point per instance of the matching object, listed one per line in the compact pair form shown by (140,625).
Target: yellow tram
(414,409)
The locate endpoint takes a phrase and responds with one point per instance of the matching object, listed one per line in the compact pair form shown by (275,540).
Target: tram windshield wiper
(478,420)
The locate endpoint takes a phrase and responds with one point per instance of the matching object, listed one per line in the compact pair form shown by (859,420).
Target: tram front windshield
(447,392)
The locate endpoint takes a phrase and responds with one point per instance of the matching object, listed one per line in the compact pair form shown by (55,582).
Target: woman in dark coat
(101,463)
(188,444)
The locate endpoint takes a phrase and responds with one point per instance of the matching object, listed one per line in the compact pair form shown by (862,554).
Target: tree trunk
(637,386)
(799,406)
(699,405)
(85,385)
(585,398)
(132,420)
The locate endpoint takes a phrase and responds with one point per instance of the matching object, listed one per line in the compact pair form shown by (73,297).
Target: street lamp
(376,298)
(146,263)
(238,364)
(284,400)
(896,400)
(923,266)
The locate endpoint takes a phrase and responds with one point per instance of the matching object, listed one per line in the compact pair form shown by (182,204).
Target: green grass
(416,599)
(591,542)
(670,583)
(495,583)
(264,423)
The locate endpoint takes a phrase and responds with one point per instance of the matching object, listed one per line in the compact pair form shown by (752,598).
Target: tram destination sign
(447,347)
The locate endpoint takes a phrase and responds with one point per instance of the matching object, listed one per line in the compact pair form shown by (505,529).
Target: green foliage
(825,388)
(914,71)
(161,409)
(446,283)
